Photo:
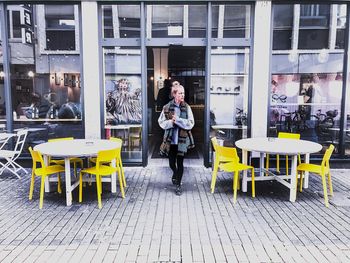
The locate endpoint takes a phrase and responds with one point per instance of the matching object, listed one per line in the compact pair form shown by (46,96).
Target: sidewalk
(152,224)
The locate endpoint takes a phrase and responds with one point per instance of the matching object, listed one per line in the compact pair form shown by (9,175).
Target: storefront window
(176,21)
(229,94)
(347,123)
(2,88)
(231,21)
(306,86)
(121,21)
(122,93)
(45,85)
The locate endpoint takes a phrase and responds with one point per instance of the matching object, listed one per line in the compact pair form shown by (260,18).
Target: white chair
(4,138)
(10,156)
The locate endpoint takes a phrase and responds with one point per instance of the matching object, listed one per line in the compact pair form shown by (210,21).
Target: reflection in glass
(347,123)
(231,21)
(176,21)
(197,21)
(45,83)
(314,26)
(122,91)
(306,87)
(2,88)
(229,94)
(121,21)
(60,27)
(167,20)
(282,26)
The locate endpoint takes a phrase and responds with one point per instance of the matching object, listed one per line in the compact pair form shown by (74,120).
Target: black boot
(178,190)
(174,180)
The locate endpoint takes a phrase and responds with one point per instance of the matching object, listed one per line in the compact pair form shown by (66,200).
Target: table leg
(261,165)
(113,179)
(306,174)
(293,173)
(47,183)
(245,172)
(68,182)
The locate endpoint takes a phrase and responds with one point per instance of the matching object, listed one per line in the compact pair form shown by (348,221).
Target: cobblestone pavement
(152,224)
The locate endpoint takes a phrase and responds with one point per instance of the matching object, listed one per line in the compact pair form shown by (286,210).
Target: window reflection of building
(45,75)
(60,27)
(14,20)
(121,21)
(2,88)
(313,73)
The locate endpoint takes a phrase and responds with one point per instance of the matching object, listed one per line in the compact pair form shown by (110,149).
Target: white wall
(261,58)
(91,70)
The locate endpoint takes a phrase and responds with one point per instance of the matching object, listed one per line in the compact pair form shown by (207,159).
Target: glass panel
(282,26)
(306,87)
(123,107)
(314,26)
(2,88)
(60,27)
(121,21)
(197,21)
(347,121)
(231,21)
(167,21)
(229,94)
(45,87)
(341,19)
(176,21)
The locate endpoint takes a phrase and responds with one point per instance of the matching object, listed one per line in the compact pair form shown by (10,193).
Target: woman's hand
(174,118)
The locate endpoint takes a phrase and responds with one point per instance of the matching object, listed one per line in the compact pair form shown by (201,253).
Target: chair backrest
(119,144)
(327,156)
(61,139)
(36,157)
(215,143)
(21,138)
(4,142)
(117,140)
(227,151)
(106,156)
(288,135)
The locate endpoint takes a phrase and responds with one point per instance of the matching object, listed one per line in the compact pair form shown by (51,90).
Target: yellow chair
(283,135)
(227,155)
(323,170)
(43,171)
(100,170)
(73,160)
(222,153)
(118,162)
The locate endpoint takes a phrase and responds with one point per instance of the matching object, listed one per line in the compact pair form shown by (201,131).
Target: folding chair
(4,138)
(10,156)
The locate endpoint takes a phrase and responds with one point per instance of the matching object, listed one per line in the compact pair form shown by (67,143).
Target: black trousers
(176,163)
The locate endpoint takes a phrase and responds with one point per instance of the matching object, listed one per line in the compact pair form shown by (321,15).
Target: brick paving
(152,224)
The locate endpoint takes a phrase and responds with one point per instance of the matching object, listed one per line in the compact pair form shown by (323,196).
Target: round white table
(75,148)
(290,147)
